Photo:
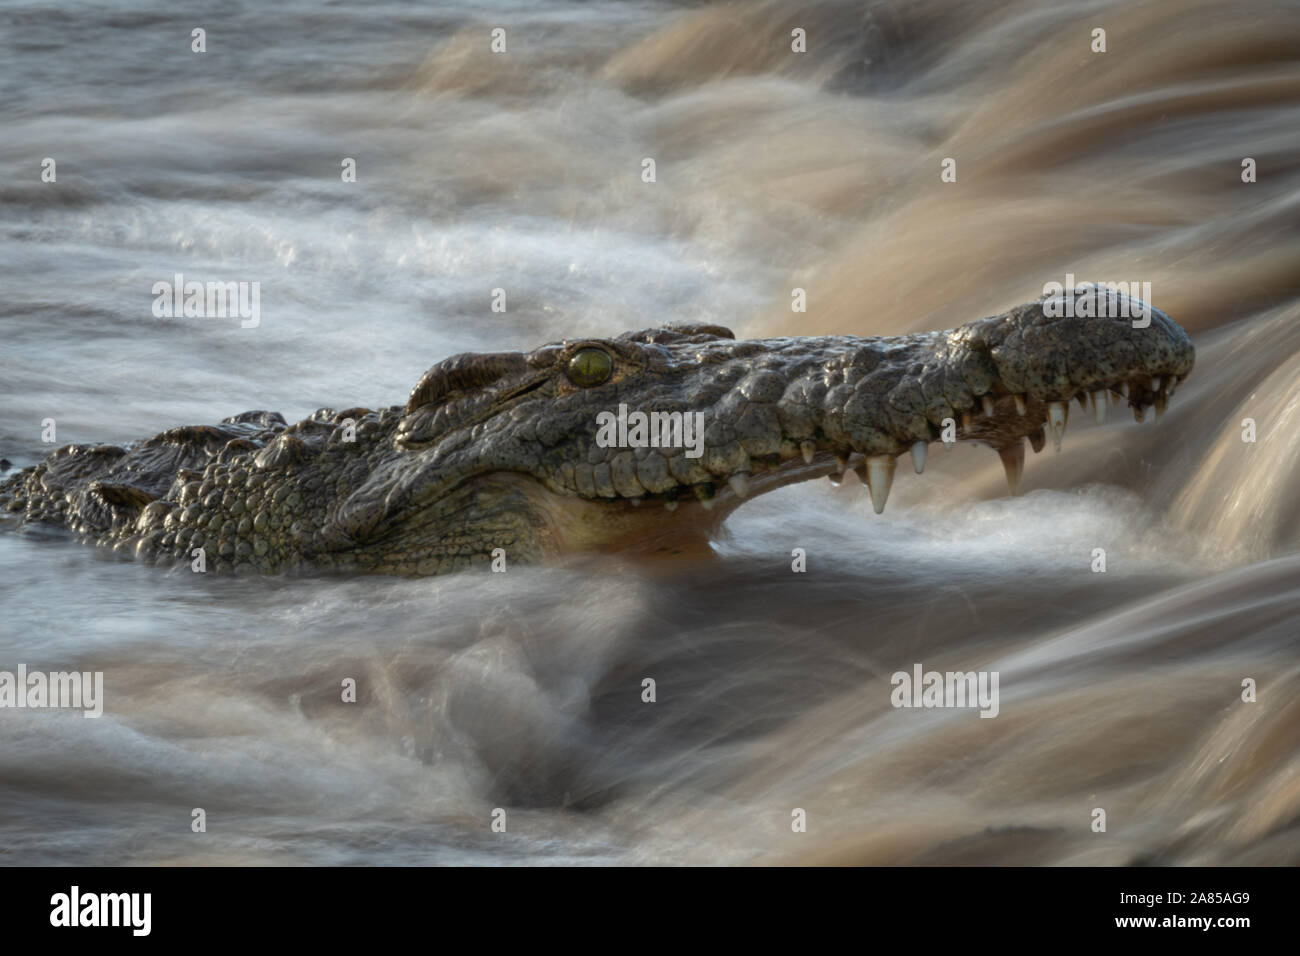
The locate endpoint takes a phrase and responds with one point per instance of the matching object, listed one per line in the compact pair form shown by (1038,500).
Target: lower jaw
(682,521)
(694,512)
(627,525)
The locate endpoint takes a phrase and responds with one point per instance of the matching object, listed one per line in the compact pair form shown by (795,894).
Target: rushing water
(522,171)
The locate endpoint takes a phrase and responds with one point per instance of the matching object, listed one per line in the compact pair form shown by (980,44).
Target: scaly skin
(499,450)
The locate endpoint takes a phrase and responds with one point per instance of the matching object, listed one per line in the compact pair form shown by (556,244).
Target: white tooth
(1056,416)
(1123,389)
(1155,384)
(739,484)
(880,476)
(835,479)
(841,463)
(808,449)
(1099,405)
(670,505)
(1020,404)
(1013,461)
(707,503)
(987,402)
(918,455)
(1162,402)
(1114,398)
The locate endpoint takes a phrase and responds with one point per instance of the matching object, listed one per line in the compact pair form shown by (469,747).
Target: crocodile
(503,454)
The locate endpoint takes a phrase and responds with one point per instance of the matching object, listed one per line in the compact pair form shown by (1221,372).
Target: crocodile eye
(590,367)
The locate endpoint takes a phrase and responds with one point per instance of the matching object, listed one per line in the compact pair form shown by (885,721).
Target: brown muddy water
(522,691)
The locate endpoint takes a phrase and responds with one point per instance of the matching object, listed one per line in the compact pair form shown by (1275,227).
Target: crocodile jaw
(499,454)
(789,410)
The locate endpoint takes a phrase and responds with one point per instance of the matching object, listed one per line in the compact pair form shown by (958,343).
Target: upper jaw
(787,410)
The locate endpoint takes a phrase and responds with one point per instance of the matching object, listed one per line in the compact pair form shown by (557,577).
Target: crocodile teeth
(987,402)
(670,504)
(880,476)
(1155,384)
(1099,406)
(1020,404)
(808,449)
(705,494)
(966,420)
(1057,413)
(1082,399)
(835,479)
(1013,461)
(739,483)
(1139,413)
(841,463)
(918,455)
(1123,389)
(1114,398)
(1162,402)
(1037,440)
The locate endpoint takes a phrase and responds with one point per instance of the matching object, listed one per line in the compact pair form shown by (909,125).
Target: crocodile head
(648,440)
(645,441)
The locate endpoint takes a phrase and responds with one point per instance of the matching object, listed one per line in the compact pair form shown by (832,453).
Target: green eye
(590,367)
